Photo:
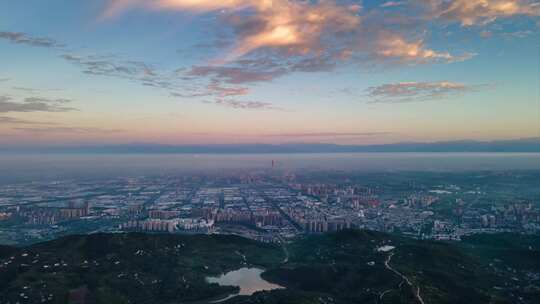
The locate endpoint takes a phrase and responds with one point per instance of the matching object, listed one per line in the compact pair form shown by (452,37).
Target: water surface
(248,279)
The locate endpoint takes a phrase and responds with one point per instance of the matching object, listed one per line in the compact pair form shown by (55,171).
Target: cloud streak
(47,100)
(137,71)
(32,104)
(246,105)
(417,91)
(112,66)
(329,134)
(79,130)
(6,120)
(23,38)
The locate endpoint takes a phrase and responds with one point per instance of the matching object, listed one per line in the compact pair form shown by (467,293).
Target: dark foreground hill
(346,267)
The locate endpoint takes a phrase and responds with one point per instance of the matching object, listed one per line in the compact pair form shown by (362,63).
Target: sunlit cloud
(319,31)
(479,12)
(299,27)
(392,46)
(294,27)
(273,38)
(393,3)
(418,91)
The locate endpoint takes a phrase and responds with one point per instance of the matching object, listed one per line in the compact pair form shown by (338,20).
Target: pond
(248,279)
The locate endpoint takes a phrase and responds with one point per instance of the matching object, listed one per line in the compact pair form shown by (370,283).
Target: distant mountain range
(515,145)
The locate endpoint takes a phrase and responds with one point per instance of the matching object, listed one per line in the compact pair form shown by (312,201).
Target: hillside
(345,267)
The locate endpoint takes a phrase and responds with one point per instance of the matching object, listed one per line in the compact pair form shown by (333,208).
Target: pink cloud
(479,12)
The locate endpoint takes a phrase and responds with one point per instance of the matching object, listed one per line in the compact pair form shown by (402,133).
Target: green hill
(345,267)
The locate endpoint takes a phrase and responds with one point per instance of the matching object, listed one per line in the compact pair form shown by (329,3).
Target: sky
(76,72)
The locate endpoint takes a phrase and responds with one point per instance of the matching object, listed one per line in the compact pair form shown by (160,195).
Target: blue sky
(246,71)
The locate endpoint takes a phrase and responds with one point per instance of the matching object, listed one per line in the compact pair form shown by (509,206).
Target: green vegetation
(137,267)
(345,267)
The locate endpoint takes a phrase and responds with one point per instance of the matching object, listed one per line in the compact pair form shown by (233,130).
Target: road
(285,250)
(415,292)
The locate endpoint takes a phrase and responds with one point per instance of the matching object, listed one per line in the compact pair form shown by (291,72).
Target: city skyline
(246,71)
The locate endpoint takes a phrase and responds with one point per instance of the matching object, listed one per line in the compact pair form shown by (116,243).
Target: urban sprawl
(266,205)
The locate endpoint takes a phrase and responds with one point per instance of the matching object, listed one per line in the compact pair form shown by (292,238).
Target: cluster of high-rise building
(261,207)
(257,218)
(164,214)
(510,216)
(40,216)
(150,225)
(171,225)
(325,225)
(74,211)
(53,215)
(420,200)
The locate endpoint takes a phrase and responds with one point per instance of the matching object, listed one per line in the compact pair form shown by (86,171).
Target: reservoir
(248,279)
